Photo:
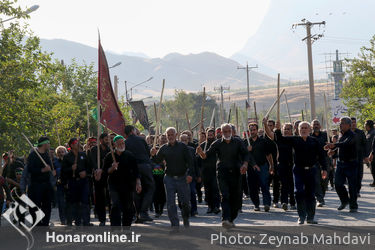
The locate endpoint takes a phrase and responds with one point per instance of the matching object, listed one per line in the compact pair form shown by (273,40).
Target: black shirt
(360,144)
(138,146)
(127,172)
(195,162)
(346,145)
(306,153)
(260,149)
(285,153)
(178,159)
(68,161)
(208,164)
(370,135)
(35,165)
(94,157)
(230,155)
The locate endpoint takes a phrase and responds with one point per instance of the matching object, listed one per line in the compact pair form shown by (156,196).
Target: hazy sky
(153,27)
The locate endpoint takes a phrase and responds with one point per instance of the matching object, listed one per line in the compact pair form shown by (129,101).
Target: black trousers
(144,200)
(229,181)
(100,198)
(159,194)
(77,202)
(372,168)
(122,211)
(275,185)
(359,175)
(211,189)
(304,182)
(285,173)
(41,194)
(347,171)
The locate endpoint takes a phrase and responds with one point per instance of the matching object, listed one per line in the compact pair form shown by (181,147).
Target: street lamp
(113,66)
(131,89)
(28,11)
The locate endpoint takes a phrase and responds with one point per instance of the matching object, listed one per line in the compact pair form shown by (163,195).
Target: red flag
(110,112)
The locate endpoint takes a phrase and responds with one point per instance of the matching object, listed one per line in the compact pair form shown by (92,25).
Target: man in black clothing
(274,178)
(370,135)
(123,180)
(178,174)
(196,178)
(208,167)
(320,184)
(361,148)
(74,177)
(347,165)
(285,168)
(100,177)
(307,152)
(40,189)
(231,153)
(259,175)
(9,172)
(141,152)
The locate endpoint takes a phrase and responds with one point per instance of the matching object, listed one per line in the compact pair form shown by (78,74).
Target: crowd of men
(131,177)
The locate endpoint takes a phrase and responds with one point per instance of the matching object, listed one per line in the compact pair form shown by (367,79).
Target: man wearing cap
(178,174)
(370,135)
(123,180)
(139,148)
(40,189)
(74,178)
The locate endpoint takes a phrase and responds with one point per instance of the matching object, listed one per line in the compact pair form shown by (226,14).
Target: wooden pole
(287,108)
(98,134)
(36,151)
(230,111)
(88,120)
(273,105)
(278,94)
(245,129)
(188,121)
(255,111)
(202,109)
(326,117)
(211,122)
(159,110)
(303,117)
(57,132)
(238,128)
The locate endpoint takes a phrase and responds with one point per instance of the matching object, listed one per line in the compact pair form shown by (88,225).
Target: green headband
(42,143)
(118,137)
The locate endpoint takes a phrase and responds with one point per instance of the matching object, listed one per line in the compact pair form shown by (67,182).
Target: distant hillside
(188,72)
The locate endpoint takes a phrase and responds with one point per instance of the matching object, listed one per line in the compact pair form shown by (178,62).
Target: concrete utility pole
(247,68)
(309,40)
(126,93)
(115,82)
(221,89)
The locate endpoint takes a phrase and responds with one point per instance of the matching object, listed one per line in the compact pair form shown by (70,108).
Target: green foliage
(175,110)
(359,91)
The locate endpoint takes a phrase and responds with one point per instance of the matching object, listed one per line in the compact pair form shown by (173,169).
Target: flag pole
(159,110)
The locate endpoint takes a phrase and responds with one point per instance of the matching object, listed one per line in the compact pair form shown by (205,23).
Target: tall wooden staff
(88,120)
(211,122)
(76,157)
(278,94)
(287,108)
(156,118)
(36,151)
(303,117)
(98,135)
(245,129)
(326,117)
(188,121)
(255,112)
(57,132)
(110,145)
(202,109)
(159,109)
(230,111)
(273,105)
(238,128)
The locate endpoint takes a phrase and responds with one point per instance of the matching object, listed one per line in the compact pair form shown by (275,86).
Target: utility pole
(247,68)
(221,89)
(309,40)
(115,82)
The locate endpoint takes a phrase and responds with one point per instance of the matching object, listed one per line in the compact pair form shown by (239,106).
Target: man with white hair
(178,174)
(233,159)
(307,152)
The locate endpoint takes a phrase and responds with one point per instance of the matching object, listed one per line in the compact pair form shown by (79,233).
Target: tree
(359,91)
